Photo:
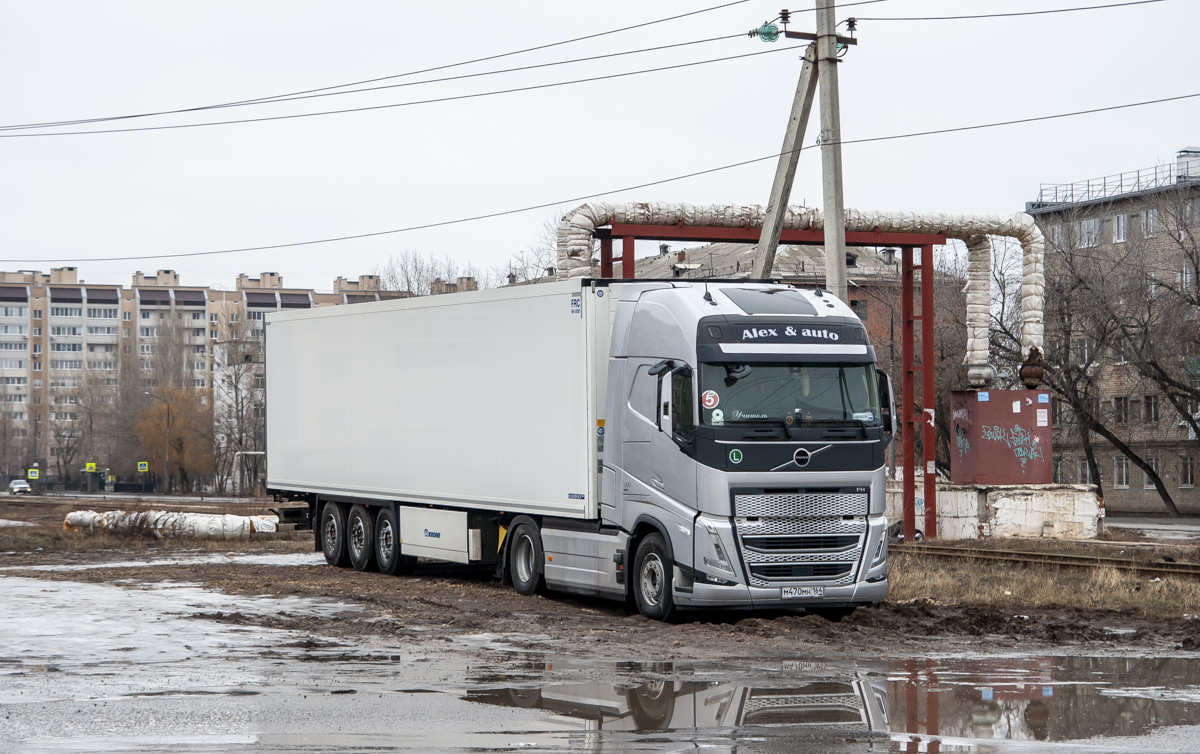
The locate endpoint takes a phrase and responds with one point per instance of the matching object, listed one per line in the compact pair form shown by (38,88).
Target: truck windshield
(765,393)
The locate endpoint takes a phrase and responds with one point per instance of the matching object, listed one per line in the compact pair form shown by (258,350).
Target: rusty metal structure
(912,413)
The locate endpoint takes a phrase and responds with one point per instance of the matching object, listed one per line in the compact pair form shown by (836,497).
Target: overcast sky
(64,199)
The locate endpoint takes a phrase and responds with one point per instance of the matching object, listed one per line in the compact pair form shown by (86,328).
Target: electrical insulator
(785,16)
(852,24)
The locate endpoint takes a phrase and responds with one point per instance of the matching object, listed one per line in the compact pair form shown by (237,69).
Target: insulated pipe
(577,226)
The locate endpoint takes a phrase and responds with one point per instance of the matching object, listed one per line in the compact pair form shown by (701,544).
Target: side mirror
(887,404)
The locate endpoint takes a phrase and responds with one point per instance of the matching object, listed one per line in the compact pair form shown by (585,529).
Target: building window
(17,346)
(146,314)
(1187,471)
(213,318)
(66,346)
(197,315)
(66,311)
(233,317)
(258,315)
(1121,410)
(1150,409)
(199,383)
(1187,278)
(1085,471)
(1119,221)
(37,366)
(212,334)
(102,312)
(1088,233)
(199,349)
(37,313)
(1056,472)
(147,332)
(19,311)
(126,316)
(1147,480)
(66,330)
(1056,235)
(146,349)
(37,348)
(1149,223)
(1121,473)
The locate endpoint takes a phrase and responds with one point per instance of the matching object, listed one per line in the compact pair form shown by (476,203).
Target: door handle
(657,482)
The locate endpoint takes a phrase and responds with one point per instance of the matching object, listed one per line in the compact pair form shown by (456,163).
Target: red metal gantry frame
(911,414)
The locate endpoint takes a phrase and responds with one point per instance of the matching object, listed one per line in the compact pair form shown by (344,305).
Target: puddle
(96,667)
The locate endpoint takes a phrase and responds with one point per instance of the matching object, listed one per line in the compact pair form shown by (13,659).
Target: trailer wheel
(525,558)
(652,577)
(333,538)
(360,539)
(387,545)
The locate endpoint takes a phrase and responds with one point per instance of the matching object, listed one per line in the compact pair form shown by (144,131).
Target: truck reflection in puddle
(858,706)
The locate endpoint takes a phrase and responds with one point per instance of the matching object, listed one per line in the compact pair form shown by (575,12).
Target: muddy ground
(442,601)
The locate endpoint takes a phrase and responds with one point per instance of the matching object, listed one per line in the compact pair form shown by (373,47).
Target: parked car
(19,486)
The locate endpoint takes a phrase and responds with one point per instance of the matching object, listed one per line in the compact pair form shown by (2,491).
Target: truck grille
(799,544)
(801,504)
(800,571)
(837,705)
(811,536)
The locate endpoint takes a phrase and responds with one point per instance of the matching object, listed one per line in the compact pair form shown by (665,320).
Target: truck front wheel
(525,558)
(387,546)
(652,578)
(333,537)
(360,538)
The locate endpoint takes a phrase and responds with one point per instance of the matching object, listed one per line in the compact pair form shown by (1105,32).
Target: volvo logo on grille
(802,457)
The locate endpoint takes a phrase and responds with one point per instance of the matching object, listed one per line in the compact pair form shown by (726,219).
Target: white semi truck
(678,444)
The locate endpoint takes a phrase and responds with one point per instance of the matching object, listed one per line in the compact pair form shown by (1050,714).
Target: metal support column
(906,393)
(606,260)
(928,394)
(627,271)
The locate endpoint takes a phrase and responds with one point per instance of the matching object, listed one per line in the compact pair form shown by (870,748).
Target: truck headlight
(721,561)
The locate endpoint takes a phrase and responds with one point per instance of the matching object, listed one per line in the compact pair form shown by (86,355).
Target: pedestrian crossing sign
(143,466)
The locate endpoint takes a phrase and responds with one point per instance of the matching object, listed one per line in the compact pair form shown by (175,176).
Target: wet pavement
(139,667)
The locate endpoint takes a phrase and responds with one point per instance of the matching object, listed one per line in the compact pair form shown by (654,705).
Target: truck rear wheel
(333,537)
(360,538)
(652,578)
(525,558)
(387,545)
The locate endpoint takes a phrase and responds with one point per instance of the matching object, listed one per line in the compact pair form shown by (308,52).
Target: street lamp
(167,448)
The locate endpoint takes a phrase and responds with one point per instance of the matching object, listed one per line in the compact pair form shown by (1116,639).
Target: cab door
(672,446)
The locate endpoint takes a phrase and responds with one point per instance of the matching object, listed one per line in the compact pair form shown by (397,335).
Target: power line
(559,202)
(417,72)
(19,127)
(1007,15)
(398,104)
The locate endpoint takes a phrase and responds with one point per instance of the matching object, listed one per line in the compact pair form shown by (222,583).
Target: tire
(387,545)
(652,578)
(525,558)
(333,535)
(652,705)
(360,538)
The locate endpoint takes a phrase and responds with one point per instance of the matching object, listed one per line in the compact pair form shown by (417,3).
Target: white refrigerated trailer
(723,443)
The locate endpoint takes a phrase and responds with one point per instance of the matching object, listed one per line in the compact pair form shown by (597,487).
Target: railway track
(1056,559)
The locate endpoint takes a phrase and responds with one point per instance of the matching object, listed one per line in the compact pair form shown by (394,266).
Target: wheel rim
(331,533)
(387,542)
(653,579)
(523,562)
(358,536)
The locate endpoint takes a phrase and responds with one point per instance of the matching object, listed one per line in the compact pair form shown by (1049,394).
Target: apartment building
(74,356)
(1131,241)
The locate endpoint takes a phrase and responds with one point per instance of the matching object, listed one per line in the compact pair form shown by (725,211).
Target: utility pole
(823,57)
(831,151)
(785,172)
